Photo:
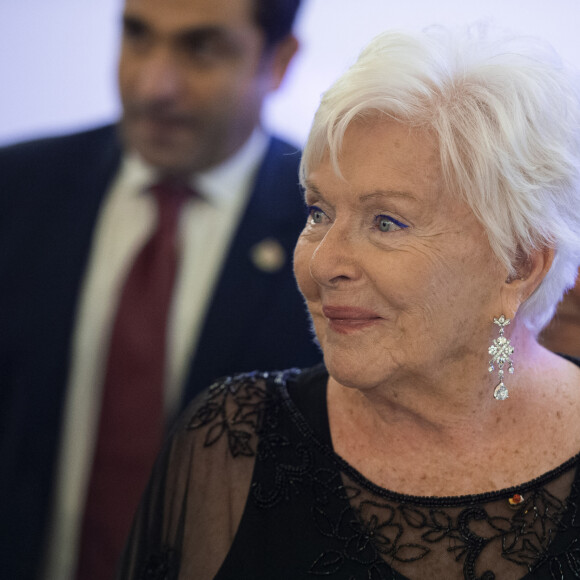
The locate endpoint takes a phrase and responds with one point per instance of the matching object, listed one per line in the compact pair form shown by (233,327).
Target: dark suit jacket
(51,192)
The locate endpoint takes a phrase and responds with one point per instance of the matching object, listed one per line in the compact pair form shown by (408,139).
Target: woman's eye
(315,215)
(386,223)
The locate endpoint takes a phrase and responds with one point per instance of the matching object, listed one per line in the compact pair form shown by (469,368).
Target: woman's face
(398,275)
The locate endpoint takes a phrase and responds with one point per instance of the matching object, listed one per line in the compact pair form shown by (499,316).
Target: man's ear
(279,58)
(530,270)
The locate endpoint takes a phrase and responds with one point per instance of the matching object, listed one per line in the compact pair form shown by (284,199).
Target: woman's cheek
(302,257)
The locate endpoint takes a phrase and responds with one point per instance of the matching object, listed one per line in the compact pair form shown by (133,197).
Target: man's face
(193,75)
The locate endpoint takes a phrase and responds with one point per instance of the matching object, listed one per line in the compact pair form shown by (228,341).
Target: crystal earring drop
(501,351)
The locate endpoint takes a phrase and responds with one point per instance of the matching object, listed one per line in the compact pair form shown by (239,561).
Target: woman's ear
(530,270)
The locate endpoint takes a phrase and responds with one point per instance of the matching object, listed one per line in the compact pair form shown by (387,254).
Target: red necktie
(132,420)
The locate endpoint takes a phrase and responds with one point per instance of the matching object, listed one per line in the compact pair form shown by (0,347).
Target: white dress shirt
(126,221)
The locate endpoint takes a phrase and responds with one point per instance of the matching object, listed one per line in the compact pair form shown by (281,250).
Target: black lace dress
(249,487)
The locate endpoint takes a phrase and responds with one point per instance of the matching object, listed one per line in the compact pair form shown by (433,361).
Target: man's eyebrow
(191,35)
(133,22)
(201,34)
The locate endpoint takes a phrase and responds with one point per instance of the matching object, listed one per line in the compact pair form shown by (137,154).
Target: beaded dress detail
(250,488)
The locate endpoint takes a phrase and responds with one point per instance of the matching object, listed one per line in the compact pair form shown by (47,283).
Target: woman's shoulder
(233,408)
(202,479)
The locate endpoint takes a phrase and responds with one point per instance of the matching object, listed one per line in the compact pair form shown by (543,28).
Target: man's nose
(160,76)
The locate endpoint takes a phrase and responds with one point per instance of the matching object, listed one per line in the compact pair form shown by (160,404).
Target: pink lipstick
(348,319)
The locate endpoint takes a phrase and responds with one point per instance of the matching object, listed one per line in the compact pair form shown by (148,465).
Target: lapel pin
(268,255)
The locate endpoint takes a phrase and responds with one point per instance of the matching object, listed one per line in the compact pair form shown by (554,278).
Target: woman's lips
(347,319)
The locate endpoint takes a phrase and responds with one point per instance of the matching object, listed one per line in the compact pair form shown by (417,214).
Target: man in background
(139,262)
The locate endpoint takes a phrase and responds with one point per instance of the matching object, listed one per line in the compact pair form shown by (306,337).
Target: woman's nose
(335,261)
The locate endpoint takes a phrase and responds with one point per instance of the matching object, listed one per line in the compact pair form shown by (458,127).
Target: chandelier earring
(501,351)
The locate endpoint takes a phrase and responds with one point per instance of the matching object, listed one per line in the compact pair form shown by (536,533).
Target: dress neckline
(305,398)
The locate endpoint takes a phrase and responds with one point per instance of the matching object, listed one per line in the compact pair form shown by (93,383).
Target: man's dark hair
(276,18)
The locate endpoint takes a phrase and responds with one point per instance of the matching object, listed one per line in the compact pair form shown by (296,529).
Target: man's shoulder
(284,147)
(282,153)
(276,203)
(43,169)
(53,147)
(279,169)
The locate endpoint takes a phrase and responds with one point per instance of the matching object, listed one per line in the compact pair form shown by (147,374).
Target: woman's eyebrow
(378,194)
(388,193)
(310,187)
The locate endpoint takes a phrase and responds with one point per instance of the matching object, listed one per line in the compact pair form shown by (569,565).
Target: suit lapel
(260,253)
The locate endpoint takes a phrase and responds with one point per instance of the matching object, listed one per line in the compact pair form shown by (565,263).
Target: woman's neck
(453,421)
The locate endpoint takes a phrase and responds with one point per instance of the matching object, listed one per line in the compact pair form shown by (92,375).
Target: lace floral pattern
(367,532)
(235,408)
(373,532)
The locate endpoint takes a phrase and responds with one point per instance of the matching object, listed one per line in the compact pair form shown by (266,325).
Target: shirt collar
(225,182)
(221,185)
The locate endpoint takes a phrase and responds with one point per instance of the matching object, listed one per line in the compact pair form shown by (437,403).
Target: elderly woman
(439,439)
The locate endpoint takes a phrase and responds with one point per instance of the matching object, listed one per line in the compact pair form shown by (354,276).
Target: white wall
(57,57)
(57,64)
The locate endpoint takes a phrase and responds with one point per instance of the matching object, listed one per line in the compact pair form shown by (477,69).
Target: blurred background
(58,57)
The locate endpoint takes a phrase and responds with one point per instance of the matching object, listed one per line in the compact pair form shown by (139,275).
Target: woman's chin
(354,371)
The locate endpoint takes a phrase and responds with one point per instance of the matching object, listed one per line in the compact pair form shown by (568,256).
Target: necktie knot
(170,197)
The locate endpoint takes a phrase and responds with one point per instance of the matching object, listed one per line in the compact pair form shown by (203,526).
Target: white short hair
(505,112)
